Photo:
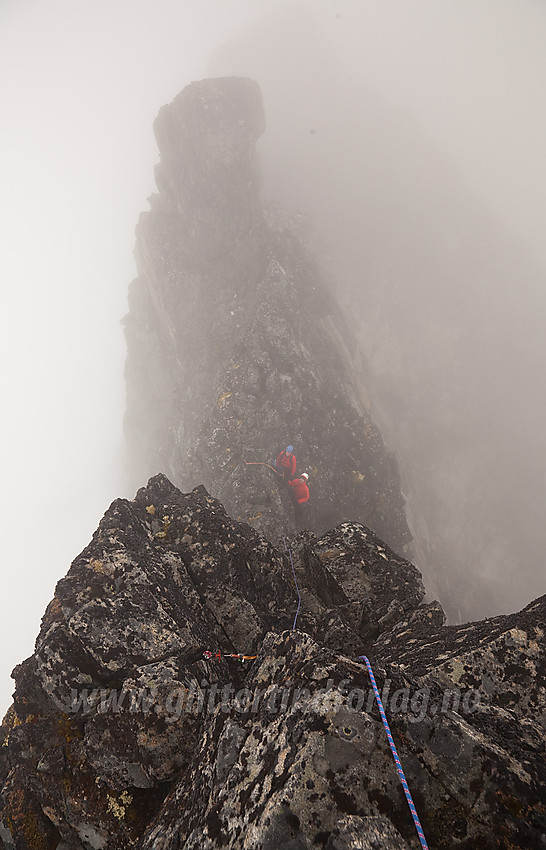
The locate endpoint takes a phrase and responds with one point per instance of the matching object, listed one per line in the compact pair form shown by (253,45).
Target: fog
(409,180)
(412,137)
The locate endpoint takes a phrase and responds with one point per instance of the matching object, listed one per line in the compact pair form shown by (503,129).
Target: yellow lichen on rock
(165,528)
(457,669)
(68,729)
(11,719)
(223,398)
(118,807)
(151,509)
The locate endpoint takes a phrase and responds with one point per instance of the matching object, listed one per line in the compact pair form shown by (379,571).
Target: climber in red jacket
(286,462)
(300,489)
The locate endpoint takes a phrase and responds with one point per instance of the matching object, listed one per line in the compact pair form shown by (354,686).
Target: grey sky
(81,85)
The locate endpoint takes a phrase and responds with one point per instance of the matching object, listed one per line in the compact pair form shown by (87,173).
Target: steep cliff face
(137,723)
(236,346)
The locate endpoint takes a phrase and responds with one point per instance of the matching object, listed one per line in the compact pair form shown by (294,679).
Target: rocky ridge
(134,726)
(197,680)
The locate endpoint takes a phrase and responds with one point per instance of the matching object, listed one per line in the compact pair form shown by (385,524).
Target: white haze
(445,282)
(81,85)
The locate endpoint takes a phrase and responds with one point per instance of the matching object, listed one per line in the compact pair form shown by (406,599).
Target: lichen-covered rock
(485,689)
(170,701)
(293,743)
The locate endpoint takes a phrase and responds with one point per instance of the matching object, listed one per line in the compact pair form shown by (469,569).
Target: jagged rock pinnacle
(236,346)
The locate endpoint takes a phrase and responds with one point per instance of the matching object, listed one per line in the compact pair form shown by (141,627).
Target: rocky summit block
(194,686)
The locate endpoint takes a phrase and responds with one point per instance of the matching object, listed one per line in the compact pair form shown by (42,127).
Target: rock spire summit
(236,345)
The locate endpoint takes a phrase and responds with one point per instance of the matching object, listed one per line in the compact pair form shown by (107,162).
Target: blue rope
(397,761)
(295,582)
(390,739)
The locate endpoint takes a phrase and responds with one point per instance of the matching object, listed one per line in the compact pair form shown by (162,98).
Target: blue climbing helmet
(290,449)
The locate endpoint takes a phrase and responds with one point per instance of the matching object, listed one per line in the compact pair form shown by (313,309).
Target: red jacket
(286,462)
(300,491)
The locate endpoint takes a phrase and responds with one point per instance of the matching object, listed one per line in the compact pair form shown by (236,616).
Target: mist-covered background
(410,134)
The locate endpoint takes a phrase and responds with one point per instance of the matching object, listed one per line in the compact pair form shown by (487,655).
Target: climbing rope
(219,655)
(262,463)
(397,761)
(295,582)
(390,739)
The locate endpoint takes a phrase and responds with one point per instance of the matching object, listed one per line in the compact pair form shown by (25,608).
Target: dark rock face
(134,725)
(236,346)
